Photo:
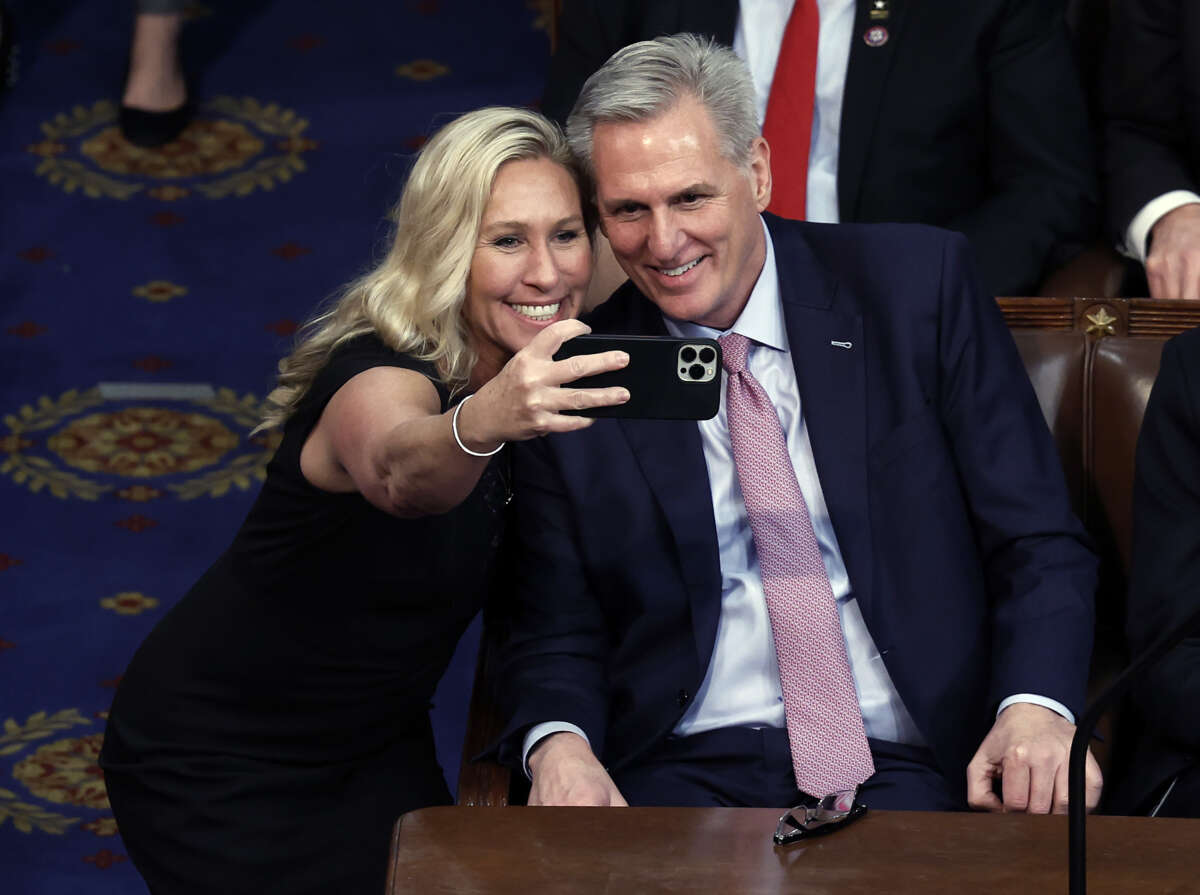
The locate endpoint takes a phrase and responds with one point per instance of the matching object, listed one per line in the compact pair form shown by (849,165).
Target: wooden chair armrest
(482,783)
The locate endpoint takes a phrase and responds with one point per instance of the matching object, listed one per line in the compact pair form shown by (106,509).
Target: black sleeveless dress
(274,724)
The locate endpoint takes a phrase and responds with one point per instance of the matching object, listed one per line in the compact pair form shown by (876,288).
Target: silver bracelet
(454,428)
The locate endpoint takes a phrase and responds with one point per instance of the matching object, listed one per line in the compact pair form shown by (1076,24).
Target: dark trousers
(747,767)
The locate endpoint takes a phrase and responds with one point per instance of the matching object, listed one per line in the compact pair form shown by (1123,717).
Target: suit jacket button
(683,698)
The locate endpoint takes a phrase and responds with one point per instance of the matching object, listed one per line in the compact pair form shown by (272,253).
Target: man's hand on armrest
(566,772)
(1173,265)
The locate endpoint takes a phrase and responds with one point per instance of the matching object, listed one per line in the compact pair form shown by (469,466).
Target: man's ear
(760,172)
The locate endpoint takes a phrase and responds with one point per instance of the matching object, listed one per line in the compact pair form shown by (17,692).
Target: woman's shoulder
(365,352)
(369,349)
(357,355)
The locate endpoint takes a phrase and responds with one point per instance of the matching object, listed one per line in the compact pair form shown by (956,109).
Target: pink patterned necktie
(824,723)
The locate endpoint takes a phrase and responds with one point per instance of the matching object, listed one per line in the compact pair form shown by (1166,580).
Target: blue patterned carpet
(144,300)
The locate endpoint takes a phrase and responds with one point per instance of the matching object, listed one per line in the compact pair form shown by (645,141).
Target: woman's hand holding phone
(527,397)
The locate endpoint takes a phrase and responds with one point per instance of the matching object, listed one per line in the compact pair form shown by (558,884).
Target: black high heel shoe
(150,130)
(153,129)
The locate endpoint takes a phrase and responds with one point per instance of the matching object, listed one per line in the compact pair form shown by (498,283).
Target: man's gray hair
(645,79)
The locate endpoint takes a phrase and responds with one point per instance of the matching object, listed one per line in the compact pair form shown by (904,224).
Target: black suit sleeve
(1145,130)
(1040,166)
(554,636)
(1165,579)
(588,33)
(1037,560)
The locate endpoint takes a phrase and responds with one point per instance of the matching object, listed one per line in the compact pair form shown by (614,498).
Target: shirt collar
(761,320)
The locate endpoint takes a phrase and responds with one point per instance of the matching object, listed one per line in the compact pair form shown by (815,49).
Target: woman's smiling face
(532,261)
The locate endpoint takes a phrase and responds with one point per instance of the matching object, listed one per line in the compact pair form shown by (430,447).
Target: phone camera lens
(696,371)
(687,354)
(707,355)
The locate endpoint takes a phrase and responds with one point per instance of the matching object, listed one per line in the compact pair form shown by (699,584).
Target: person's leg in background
(155,106)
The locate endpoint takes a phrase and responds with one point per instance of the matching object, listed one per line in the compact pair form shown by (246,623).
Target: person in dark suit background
(1152,136)
(1164,588)
(640,660)
(968,116)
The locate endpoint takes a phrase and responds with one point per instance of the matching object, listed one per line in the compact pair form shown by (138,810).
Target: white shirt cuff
(1143,222)
(1053,705)
(539,732)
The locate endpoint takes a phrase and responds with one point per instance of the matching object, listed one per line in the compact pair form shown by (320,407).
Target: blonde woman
(275,724)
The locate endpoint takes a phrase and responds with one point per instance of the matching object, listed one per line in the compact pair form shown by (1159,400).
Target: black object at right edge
(1077,810)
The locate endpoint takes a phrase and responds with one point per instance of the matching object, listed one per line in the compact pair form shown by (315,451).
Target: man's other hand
(566,772)
(1173,265)
(1027,749)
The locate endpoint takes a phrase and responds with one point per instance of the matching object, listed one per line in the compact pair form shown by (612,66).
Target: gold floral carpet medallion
(142,442)
(232,148)
(83,445)
(206,147)
(63,774)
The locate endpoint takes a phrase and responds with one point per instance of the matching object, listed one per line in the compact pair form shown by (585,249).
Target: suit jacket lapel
(866,75)
(672,461)
(832,382)
(671,458)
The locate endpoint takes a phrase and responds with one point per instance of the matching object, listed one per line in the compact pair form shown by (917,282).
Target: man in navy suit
(640,661)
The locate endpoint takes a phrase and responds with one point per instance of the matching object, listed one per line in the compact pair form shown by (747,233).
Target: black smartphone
(667,378)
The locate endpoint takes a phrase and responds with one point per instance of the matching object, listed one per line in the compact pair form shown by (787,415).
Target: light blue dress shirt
(757,39)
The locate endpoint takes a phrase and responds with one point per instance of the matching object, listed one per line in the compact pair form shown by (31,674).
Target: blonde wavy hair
(413,299)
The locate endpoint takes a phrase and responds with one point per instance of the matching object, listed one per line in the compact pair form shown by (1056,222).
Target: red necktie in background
(788,125)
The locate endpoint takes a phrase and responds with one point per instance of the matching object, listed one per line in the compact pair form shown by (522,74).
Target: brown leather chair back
(1092,363)
(1122,374)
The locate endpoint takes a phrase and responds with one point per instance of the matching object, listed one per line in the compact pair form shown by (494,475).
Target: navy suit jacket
(973,575)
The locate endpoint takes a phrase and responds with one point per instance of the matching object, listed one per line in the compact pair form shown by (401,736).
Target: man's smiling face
(681,218)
